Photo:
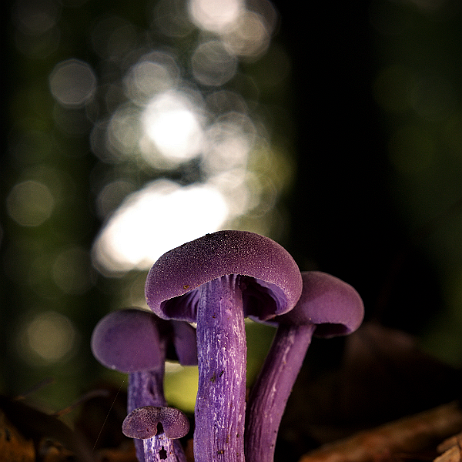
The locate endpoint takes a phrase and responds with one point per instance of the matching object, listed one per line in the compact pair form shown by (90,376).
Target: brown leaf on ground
(450,449)
(36,426)
(374,376)
(409,435)
(13,446)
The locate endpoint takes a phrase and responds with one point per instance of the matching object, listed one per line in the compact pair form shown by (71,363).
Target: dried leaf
(50,450)
(407,435)
(453,454)
(374,376)
(35,425)
(13,446)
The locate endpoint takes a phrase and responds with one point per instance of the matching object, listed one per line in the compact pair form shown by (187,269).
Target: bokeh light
(153,73)
(215,16)
(173,124)
(161,216)
(48,337)
(250,37)
(30,203)
(73,83)
(37,33)
(71,271)
(36,17)
(229,141)
(212,64)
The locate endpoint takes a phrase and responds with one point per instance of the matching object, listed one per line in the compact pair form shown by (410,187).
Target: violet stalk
(327,307)
(222,352)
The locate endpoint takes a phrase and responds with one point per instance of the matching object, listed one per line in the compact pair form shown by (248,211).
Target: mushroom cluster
(214,282)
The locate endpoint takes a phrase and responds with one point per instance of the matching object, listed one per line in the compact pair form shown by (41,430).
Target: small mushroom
(137,342)
(327,307)
(156,427)
(216,281)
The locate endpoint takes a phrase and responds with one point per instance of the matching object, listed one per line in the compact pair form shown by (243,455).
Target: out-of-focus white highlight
(249,37)
(153,73)
(212,64)
(161,216)
(171,122)
(228,142)
(215,15)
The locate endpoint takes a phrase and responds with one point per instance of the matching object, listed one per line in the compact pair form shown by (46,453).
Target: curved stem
(222,351)
(272,389)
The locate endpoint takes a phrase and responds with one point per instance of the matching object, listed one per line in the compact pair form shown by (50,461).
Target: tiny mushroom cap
(142,423)
(273,283)
(331,304)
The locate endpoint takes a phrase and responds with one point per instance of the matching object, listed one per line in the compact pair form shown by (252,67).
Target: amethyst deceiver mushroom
(157,428)
(216,281)
(137,342)
(327,307)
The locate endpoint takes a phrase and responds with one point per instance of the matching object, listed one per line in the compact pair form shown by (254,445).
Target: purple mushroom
(157,428)
(327,307)
(216,281)
(137,342)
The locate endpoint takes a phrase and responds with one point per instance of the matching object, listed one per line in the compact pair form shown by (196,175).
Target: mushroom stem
(222,351)
(146,388)
(160,448)
(327,307)
(272,389)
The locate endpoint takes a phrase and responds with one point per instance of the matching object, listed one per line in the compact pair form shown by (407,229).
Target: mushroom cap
(271,283)
(328,302)
(129,340)
(142,423)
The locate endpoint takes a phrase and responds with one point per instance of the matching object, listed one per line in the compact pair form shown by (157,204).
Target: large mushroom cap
(271,280)
(328,302)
